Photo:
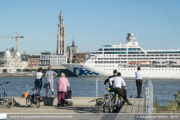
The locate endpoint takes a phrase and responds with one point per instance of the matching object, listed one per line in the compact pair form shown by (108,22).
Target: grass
(174,106)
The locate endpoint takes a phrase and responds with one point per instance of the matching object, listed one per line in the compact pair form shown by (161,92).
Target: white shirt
(139,75)
(118,82)
(38,75)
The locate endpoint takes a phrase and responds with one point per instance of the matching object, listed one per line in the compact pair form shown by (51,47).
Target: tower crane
(15,38)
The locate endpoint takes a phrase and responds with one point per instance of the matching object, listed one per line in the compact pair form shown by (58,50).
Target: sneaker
(52,95)
(63,105)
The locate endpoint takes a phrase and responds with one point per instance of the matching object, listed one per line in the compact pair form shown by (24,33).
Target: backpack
(25,95)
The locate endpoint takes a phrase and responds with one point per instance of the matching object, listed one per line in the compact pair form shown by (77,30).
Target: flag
(91,44)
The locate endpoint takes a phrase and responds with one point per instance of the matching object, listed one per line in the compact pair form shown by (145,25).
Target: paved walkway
(138,106)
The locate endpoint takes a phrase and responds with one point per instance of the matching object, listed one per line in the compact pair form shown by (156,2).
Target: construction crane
(15,38)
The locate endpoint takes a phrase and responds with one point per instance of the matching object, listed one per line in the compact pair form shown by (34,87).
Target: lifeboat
(174,62)
(161,63)
(144,62)
(132,63)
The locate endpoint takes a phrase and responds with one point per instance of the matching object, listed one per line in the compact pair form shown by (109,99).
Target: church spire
(73,43)
(61,18)
(61,36)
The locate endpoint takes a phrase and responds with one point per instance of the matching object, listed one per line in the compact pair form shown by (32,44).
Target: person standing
(38,81)
(62,85)
(119,87)
(49,80)
(107,80)
(139,77)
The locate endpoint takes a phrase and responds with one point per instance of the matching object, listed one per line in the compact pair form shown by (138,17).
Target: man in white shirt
(139,78)
(119,87)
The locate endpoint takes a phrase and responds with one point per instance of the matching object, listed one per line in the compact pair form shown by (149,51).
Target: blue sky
(89,22)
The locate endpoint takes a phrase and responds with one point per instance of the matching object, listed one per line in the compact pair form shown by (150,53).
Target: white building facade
(56,60)
(11,61)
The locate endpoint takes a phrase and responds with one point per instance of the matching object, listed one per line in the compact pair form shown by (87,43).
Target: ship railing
(149,97)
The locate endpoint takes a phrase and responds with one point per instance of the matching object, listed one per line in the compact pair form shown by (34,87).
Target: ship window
(107,65)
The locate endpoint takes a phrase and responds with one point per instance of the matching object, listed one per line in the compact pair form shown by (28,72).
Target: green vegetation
(174,106)
(75,61)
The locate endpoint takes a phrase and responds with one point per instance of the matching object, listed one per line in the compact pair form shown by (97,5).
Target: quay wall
(77,101)
(67,72)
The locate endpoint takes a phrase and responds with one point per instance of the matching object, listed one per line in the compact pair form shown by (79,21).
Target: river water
(86,87)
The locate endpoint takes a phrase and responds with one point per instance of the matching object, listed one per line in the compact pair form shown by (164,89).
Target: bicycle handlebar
(4,83)
(26,86)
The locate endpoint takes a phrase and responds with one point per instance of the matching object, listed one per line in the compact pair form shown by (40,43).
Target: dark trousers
(139,86)
(61,98)
(122,92)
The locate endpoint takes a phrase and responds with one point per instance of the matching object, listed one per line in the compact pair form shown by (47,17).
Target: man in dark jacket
(107,80)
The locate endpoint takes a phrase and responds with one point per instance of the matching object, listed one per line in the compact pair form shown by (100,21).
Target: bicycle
(33,99)
(112,102)
(4,97)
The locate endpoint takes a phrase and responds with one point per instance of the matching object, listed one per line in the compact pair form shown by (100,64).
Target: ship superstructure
(126,59)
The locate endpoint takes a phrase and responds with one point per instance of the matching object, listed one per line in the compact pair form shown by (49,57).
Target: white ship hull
(84,70)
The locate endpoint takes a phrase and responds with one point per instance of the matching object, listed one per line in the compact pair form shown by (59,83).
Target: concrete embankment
(80,105)
(77,101)
(67,72)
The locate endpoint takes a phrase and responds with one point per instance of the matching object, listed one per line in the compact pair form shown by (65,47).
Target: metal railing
(149,97)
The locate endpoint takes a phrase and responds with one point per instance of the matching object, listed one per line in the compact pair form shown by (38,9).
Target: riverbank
(67,72)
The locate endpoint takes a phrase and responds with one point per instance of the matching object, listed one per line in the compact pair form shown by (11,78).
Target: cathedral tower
(61,36)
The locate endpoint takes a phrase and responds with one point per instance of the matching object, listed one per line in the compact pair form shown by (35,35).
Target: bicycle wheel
(28,101)
(37,103)
(7,102)
(113,107)
(106,108)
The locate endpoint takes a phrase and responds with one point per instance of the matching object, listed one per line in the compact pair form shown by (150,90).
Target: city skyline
(89,22)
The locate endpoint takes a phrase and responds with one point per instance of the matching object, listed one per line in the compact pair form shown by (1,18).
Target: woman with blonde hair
(49,80)
(62,85)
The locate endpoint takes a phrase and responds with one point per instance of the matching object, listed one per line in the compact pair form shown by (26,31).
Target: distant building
(79,57)
(56,60)
(61,36)
(2,59)
(10,61)
(70,50)
(25,56)
(33,61)
(45,58)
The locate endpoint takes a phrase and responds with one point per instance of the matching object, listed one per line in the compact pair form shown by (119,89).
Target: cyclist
(107,80)
(119,87)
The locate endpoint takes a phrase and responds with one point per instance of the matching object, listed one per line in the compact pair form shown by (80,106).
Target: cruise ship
(126,58)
